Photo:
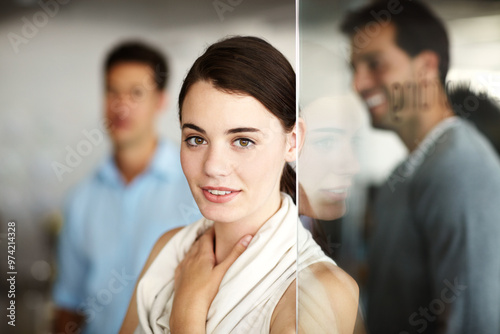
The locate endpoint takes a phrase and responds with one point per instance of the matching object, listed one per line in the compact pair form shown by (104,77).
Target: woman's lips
(219,194)
(335,194)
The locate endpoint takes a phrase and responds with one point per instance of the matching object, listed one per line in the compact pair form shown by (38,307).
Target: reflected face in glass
(233,153)
(132,102)
(380,67)
(327,161)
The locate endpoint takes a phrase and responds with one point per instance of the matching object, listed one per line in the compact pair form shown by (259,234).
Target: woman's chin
(216,214)
(329,211)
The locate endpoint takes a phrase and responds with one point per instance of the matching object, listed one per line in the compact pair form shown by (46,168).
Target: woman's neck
(228,234)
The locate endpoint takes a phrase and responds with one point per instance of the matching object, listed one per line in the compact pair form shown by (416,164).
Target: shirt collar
(417,157)
(164,165)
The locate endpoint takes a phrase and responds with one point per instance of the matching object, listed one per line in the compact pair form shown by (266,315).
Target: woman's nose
(217,162)
(347,162)
(351,161)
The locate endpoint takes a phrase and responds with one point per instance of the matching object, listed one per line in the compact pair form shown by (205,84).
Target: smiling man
(434,264)
(113,218)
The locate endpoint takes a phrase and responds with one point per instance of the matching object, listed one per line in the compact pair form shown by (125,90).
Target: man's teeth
(375,100)
(219,192)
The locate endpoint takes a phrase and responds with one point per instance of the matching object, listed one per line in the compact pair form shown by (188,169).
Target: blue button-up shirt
(109,231)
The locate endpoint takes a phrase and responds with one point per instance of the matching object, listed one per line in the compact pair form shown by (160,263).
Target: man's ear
(427,65)
(295,140)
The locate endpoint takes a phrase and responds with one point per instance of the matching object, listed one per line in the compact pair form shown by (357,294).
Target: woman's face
(233,153)
(327,162)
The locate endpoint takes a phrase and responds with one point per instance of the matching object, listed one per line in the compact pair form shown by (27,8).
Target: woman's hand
(197,280)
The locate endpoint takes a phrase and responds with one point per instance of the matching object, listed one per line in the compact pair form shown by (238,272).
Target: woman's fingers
(206,241)
(202,243)
(200,260)
(237,250)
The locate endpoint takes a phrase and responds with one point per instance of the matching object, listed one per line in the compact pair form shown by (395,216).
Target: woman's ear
(295,140)
(301,135)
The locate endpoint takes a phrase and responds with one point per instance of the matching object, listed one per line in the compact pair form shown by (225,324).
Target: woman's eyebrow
(329,130)
(237,130)
(194,127)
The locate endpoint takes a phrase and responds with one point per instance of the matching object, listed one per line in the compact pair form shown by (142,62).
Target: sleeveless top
(251,287)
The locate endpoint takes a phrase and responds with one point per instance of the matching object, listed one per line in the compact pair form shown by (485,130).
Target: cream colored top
(251,287)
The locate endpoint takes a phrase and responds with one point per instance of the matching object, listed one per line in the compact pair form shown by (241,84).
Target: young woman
(235,270)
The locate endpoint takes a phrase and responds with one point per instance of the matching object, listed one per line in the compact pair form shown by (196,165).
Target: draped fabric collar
(252,286)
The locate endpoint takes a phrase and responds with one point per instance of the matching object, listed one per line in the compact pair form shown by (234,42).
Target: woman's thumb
(237,250)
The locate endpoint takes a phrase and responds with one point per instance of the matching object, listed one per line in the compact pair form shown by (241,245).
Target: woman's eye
(195,141)
(243,142)
(325,144)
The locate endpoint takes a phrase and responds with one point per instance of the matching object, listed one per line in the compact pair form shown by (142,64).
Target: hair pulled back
(252,66)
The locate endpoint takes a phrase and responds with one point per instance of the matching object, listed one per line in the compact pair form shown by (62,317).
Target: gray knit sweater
(435,252)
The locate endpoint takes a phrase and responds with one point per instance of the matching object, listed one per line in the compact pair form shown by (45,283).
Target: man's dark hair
(134,51)
(417,28)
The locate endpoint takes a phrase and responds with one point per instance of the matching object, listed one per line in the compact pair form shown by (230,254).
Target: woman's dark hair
(252,66)
(136,51)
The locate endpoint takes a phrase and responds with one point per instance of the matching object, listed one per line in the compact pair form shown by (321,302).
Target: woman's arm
(131,318)
(327,302)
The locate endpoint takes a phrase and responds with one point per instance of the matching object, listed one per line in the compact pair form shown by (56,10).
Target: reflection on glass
(328,161)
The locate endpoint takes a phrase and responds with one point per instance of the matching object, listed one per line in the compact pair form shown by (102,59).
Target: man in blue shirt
(113,218)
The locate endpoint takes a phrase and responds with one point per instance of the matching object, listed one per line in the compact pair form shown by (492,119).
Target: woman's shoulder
(131,319)
(327,290)
(327,301)
(159,245)
(163,240)
(330,276)
(169,235)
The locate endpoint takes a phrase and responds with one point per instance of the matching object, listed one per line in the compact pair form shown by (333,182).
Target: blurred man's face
(132,103)
(384,76)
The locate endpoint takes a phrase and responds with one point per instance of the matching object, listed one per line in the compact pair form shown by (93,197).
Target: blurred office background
(52,91)
(474,29)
